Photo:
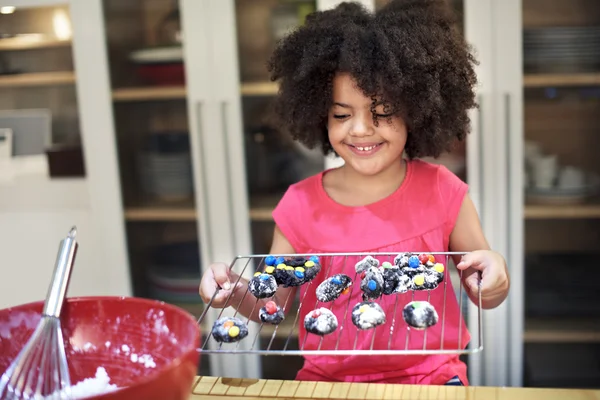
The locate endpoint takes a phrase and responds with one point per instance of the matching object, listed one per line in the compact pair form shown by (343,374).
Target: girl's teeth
(366,148)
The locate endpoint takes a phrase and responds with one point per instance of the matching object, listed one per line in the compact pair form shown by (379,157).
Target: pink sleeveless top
(418,217)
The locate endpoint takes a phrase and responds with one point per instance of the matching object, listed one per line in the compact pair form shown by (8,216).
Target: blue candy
(336,280)
(372,285)
(280,260)
(299,274)
(414,262)
(314,259)
(270,260)
(264,277)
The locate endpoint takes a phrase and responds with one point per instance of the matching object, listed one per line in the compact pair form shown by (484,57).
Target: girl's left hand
(494,275)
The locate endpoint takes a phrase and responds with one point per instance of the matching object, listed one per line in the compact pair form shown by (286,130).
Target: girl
(371,88)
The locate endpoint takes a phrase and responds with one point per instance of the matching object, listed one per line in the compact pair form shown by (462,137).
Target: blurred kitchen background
(145,123)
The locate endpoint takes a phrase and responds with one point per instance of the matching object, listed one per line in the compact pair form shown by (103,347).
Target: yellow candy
(269,270)
(257,273)
(300,269)
(309,264)
(234,331)
(289,268)
(439,267)
(363,308)
(281,266)
(419,280)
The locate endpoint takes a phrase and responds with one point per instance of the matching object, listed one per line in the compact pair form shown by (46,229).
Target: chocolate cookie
(229,330)
(262,285)
(367,315)
(331,288)
(320,321)
(420,314)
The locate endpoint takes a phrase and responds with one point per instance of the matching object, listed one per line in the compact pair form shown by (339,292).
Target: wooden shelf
(31,43)
(173,214)
(151,93)
(576,211)
(160,214)
(38,79)
(543,80)
(259,89)
(561,330)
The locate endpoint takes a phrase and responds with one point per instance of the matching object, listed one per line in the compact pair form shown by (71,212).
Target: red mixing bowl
(148,348)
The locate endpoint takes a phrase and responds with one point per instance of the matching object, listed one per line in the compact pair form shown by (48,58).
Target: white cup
(571,178)
(545,171)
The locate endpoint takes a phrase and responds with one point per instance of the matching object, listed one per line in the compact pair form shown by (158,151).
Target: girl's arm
(467,236)
(246,303)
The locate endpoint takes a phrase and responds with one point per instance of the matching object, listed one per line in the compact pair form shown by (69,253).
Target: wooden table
(213,388)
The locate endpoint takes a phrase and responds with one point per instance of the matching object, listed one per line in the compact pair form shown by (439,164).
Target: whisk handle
(62,275)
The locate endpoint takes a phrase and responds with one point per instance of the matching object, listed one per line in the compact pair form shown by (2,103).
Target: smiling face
(367,146)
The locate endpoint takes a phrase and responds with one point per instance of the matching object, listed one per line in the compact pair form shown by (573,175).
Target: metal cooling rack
(281,340)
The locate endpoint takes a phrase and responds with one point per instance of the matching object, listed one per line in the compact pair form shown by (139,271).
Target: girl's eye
(340,116)
(384,115)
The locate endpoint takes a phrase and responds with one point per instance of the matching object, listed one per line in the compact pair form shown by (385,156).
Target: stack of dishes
(165,166)
(174,275)
(562,49)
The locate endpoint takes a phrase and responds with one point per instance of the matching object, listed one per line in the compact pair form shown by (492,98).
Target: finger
(470,260)
(221,274)
(208,286)
(472,283)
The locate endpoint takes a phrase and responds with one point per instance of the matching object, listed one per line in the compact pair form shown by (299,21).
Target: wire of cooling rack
(414,342)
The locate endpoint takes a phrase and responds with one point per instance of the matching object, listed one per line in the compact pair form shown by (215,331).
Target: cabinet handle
(507,131)
(480,137)
(205,219)
(228,180)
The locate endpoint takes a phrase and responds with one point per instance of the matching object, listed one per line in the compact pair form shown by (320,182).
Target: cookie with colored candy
(271,313)
(395,281)
(320,321)
(391,275)
(331,288)
(367,315)
(371,284)
(401,260)
(229,330)
(365,264)
(288,276)
(312,267)
(420,314)
(262,285)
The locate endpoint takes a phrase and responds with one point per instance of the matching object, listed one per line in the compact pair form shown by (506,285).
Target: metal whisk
(40,371)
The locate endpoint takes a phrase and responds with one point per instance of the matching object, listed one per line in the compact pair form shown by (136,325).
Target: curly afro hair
(408,54)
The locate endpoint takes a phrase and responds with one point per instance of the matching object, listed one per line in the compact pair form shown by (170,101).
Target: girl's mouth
(365,149)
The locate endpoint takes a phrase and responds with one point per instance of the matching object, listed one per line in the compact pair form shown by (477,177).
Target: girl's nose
(362,126)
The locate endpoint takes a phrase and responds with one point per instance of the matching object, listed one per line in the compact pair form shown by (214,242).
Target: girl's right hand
(219,277)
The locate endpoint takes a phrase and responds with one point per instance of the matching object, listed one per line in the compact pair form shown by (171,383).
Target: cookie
(331,288)
(395,281)
(420,314)
(320,321)
(271,313)
(288,276)
(262,285)
(371,283)
(229,330)
(367,315)
(366,263)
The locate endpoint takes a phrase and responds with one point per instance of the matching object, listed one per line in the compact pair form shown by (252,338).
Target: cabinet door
(508,178)
(48,175)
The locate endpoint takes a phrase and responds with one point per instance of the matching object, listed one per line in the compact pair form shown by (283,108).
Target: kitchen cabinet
(45,105)
(560,90)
